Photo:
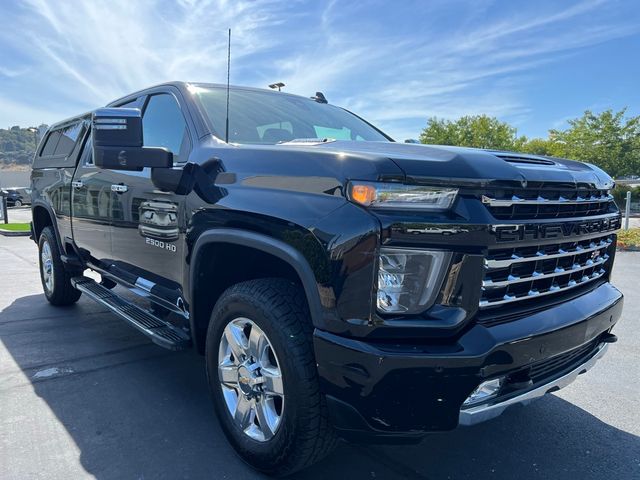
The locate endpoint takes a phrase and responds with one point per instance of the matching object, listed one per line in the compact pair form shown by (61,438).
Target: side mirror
(117,141)
(176,180)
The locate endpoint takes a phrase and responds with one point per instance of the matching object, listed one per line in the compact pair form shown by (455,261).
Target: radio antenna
(228,76)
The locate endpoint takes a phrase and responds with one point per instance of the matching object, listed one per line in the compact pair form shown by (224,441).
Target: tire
(17,203)
(302,433)
(56,280)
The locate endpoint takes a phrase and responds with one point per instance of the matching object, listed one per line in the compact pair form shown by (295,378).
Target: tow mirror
(117,141)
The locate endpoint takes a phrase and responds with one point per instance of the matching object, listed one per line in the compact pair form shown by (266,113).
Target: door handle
(77,184)
(119,188)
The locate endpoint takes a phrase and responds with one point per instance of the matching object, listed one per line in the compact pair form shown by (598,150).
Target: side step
(160,333)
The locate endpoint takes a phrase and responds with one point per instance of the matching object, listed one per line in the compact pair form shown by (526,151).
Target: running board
(160,332)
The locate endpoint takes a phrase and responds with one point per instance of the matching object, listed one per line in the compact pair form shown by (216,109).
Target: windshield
(257,117)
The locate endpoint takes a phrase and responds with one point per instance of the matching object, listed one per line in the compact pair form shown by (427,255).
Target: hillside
(17,145)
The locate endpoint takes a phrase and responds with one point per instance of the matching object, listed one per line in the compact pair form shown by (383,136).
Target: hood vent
(529,160)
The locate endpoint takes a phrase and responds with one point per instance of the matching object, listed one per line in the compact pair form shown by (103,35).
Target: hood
(476,167)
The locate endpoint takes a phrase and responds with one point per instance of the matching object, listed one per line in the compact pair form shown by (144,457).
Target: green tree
(480,131)
(538,146)
(609,140)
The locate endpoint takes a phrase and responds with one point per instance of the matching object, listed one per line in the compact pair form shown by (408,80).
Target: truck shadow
(134,410)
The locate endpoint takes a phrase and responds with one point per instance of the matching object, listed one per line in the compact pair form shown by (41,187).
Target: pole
(226,136)
(627,211)
(3,200)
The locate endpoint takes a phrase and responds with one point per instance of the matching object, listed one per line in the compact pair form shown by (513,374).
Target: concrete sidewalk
(82,395)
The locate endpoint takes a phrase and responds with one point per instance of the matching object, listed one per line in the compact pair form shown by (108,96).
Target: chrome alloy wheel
(250,379)
(47,266)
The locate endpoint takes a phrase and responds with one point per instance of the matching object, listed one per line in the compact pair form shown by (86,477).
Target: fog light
(486,390)
(409,279)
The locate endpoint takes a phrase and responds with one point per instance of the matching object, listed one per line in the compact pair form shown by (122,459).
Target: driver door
(147,224)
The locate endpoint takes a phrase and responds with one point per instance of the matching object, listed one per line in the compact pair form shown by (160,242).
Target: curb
(11,233)
(628,249)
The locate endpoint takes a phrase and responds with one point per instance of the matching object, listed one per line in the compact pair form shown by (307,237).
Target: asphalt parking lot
(82,395)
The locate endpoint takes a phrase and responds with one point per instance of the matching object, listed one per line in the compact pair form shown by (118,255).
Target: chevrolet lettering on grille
(514,233)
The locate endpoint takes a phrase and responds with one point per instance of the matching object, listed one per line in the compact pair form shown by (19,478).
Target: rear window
(59,148)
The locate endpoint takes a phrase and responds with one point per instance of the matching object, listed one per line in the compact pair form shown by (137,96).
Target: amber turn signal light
(363,194)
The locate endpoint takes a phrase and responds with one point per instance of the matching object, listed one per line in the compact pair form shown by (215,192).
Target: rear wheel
(263,378)
(56,280)
(18,203)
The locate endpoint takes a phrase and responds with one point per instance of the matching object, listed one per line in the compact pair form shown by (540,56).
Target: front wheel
(263,377)
(18,203)
(56,280)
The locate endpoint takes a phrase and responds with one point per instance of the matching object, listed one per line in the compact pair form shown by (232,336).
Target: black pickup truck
(339,284)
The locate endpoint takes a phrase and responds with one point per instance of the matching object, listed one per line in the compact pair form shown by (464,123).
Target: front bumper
(491,409)
(398,392)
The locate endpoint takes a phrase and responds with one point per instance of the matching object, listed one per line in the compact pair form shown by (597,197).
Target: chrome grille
(557,203)
(522,273)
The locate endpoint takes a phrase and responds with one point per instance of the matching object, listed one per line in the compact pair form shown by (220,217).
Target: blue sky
(534,64)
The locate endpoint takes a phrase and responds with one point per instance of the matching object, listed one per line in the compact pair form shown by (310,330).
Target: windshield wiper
(306,141)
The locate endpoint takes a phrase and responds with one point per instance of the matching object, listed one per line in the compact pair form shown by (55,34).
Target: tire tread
(64,292)
(286,301)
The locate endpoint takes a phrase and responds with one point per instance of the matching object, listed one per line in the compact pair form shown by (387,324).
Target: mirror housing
(117,127)
(117,141)
(132,158)
(176,180)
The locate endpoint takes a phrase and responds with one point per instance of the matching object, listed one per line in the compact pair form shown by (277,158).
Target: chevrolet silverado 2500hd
(338,283)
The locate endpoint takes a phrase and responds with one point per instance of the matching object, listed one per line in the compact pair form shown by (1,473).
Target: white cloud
(89,53)
(12,72)
(25,115)
(396,66)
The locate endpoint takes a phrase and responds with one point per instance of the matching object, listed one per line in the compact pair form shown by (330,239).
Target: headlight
(409,280)
(398,195)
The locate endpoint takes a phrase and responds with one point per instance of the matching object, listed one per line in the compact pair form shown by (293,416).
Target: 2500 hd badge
(160,244)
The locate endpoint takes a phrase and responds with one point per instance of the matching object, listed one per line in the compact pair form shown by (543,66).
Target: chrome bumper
(480,413)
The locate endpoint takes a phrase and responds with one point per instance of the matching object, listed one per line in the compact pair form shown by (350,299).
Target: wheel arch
(42,216)
(292,262)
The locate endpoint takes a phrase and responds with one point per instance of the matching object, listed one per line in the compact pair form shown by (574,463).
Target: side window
(59,147)
(86,158)
(163,125)
(50,144)
(68,138)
